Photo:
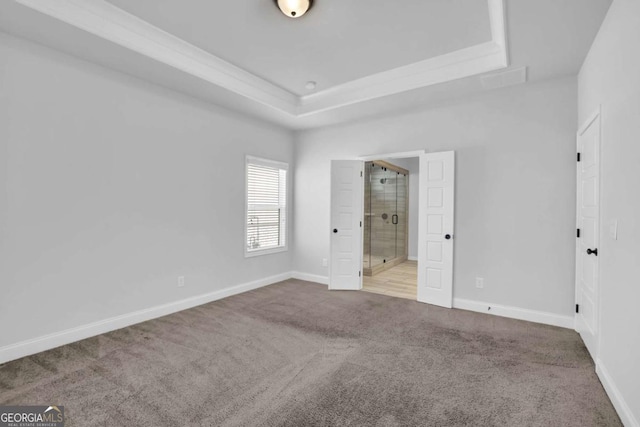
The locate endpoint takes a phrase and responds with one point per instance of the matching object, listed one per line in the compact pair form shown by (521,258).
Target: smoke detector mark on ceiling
(511,77)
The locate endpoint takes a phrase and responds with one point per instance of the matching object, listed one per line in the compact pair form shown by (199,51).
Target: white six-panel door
(347,211)
(435,228)
(588,222)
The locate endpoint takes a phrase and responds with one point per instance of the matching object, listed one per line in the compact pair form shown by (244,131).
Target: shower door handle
(394,219)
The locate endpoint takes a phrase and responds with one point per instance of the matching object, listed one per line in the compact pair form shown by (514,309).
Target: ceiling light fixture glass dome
(294,8)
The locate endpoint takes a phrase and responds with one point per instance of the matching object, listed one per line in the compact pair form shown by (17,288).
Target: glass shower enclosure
(385,219)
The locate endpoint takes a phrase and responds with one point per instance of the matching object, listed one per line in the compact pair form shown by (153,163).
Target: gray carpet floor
(296,354)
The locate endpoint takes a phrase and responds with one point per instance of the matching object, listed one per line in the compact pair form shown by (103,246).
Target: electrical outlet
(479,282)
(325,262)
(180,281)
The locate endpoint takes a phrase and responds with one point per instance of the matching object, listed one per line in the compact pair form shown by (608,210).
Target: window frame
(260,161)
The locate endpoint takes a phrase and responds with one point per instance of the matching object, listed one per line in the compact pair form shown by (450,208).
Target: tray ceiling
(368,57)
(336,42)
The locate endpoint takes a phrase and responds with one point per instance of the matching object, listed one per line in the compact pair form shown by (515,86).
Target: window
(266,219)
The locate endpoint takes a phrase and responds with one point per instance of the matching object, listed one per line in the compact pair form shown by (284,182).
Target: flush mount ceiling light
(294,8)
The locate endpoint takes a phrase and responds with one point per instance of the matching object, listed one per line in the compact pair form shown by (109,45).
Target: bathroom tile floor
(400,281)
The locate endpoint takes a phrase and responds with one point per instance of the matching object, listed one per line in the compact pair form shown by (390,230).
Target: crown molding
(471,61)
(111,23)
(444,68)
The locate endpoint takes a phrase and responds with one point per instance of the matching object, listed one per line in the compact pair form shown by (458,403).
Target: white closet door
(435,228)
(588,212)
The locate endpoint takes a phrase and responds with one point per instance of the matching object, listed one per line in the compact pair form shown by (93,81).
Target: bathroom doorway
(432,234)
(386,265)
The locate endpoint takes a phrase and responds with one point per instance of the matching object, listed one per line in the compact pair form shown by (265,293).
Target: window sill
(259,252)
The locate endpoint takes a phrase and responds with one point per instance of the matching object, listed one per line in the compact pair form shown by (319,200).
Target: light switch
(613,229)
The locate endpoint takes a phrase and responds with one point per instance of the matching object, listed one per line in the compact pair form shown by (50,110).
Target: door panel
(347,211)
(435,252)
(588,220)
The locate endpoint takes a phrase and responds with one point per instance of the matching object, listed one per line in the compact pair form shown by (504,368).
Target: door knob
(335,230)
(592,251)
(447,236)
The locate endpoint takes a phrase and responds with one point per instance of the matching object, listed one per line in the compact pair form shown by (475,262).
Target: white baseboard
(627,417)
(515,313)
(324,280)
(412,258)
(481,307)
(47,342)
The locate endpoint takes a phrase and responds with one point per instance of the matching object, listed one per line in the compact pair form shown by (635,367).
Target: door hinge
(360,174)
(359,273)
(578,156)
(577,308)
(578,233)
(360,224)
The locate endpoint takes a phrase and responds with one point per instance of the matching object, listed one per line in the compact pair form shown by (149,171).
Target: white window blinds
(266,221)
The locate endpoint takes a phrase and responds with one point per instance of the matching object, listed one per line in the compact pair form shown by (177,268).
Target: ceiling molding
(471,61)
(111,23)
(462,63)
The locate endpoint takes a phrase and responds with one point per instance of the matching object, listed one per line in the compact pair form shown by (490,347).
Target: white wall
(515,200)
(111,188)
(610,77)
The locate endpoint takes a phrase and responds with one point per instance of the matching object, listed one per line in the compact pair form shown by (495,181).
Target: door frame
(401,155)
(596,115)
(391,156)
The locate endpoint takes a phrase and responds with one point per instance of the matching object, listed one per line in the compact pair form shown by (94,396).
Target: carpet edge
(47,342)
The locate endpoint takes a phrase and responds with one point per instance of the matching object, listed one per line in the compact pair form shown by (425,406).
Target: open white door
(588,236)
(435,228)
(347,210)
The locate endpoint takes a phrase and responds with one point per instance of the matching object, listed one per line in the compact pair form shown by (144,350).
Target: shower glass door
(378,215)
(401,212)
(390,195)
(385,217)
